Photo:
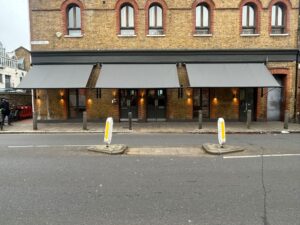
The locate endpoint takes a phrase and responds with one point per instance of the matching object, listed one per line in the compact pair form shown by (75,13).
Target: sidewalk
(25,126)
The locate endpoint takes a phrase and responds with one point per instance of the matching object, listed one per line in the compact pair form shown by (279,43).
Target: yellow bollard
(108,131)
(221,132)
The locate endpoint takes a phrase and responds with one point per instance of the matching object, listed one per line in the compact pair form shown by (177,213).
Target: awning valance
(57,76)
(138,76)
(230,75)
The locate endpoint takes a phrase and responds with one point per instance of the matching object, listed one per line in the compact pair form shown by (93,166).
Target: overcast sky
(14,24)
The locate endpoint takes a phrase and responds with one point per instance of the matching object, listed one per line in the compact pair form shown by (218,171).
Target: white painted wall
(9,67)
(14,74)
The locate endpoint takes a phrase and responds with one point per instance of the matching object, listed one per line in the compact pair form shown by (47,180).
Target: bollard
(249,113)
(200,117)
(298,117)
(221,132)
(130,120)
(108,131)
(84,121)
(286,120)
(34,121)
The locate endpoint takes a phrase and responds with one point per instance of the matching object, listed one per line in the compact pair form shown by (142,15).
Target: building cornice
(164,56)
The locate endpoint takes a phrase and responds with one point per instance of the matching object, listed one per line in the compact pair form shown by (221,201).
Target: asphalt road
(50,186)
(254,143)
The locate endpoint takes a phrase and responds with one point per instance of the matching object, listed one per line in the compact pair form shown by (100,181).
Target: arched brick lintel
(210,3)
(118,6)
(259,8)
(287,3)
(211,6)
(164,6)
(255,2)
(288,6)
(63,9)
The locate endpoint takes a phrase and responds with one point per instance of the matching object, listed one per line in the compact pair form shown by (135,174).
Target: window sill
(249,35)
(156,35)
(202,35)
(126,36)
(73,36)
(279,35)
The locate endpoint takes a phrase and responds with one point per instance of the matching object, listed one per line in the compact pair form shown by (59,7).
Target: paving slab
(25,126)
(167,151)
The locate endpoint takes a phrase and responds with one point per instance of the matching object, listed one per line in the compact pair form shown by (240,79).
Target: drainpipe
(32,101)
(296,87)
(296,78)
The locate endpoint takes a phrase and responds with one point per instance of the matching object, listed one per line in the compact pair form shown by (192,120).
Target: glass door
(156,105)
(128,103)
(77,103)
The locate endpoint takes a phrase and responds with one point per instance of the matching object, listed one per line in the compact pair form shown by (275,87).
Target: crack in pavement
(265,217)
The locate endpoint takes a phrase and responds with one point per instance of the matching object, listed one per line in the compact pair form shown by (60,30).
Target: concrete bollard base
(110,149)
(217,149)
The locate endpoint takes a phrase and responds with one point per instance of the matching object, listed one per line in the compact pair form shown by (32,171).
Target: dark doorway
(156,105)
(77,103)
(128,103)
(247,102)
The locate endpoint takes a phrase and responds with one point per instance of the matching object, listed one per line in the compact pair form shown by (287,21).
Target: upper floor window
(249,19)
(74,20)
(278,19)
(127,20)
(156,20)
(202,19)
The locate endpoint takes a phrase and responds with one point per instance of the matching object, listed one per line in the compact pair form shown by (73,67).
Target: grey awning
(57,76)
(138,76)
(230,75)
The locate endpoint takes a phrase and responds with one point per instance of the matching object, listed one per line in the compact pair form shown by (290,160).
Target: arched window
(127,20)
(278,19)
(249,19)
(156,20)
(74,20)
(202,19)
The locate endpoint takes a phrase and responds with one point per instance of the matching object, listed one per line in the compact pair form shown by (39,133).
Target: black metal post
(249,115)
(84,121)
(130,120)
(34,121)
(200,118)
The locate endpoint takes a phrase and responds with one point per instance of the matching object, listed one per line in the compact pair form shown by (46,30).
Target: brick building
(163,59)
